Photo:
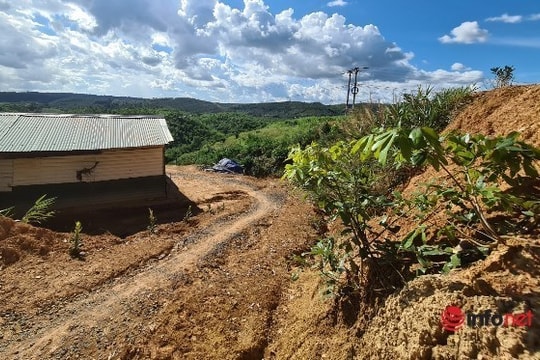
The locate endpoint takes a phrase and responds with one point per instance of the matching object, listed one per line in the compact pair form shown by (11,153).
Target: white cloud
(200,48)
(337,3)
(505,18)
(468,32)
(85,20)
(514,19)
(458,67)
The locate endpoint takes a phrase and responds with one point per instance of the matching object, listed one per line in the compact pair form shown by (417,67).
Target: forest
(258,135)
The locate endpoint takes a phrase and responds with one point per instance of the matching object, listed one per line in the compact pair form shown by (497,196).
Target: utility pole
(348,90)
(354,88)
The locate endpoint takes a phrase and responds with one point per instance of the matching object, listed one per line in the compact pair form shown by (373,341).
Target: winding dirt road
(110,319)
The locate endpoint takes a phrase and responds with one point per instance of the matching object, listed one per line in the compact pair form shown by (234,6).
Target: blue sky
(263,50)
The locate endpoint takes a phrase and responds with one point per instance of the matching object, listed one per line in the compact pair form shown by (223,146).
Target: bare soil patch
(205,287)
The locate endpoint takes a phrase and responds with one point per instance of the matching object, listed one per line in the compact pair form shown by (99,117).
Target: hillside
(216,282)
(69,102)
(408,325)
(501,111)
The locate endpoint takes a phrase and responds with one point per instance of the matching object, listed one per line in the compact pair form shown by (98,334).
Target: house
(81,159)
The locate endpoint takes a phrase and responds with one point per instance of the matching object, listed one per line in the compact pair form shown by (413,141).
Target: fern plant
(40,211)
(7,212)
(188,214)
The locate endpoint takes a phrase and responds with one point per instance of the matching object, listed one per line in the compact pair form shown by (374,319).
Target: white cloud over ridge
(204,49)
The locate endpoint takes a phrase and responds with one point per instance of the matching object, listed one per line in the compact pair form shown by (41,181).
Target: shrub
(503,76)
(425,108)
(350,181)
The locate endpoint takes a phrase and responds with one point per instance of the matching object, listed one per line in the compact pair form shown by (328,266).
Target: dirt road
(121,309)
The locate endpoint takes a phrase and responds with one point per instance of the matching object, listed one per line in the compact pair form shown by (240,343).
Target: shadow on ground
(124,219)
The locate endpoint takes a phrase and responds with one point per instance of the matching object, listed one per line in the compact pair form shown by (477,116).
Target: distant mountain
(82,103)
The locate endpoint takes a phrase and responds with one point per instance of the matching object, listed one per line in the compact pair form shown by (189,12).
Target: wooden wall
(6,174)
(112,165)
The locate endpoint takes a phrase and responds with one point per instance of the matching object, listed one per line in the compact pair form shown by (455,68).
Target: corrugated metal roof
(53,132)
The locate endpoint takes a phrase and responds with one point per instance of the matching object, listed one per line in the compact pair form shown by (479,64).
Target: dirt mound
(19,239)
(501,111)
(409,326)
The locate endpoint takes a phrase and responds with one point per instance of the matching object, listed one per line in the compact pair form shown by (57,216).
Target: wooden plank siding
(6,174)
(113,165)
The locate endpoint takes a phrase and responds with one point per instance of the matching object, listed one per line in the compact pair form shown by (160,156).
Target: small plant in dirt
(75,241)
(188,214)
(504,76)
(152,222)
(8,212)
(40,211)
(344,187)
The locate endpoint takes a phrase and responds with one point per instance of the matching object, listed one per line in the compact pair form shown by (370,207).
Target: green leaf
(416,136)
(408,240)
(419,158)
(430,135)
(454,262)
(405,146)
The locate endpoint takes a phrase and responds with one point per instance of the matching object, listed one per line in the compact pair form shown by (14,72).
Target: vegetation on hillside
(263,151)
(358,180)
(257,135)
(102,104)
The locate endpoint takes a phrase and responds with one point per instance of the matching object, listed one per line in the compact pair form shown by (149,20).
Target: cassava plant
(344,187)
(75,249)
(475,167)
(152,221)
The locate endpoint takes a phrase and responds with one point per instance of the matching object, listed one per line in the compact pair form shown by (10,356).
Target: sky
(245,51)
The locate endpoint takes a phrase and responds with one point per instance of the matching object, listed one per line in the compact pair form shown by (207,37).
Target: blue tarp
(229,166)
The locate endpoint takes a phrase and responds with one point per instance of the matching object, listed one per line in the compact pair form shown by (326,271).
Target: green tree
(503,75)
